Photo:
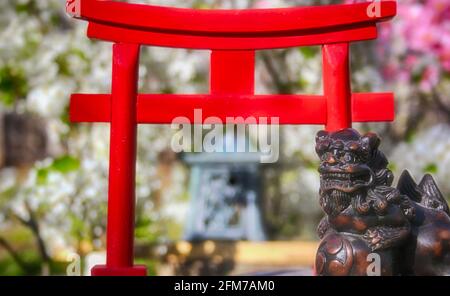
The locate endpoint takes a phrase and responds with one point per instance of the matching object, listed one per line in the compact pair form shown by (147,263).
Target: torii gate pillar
(122,165)
(336,85)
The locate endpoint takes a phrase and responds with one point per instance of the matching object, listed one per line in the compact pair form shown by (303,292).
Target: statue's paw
(382,237)
(323,228)
(374,239)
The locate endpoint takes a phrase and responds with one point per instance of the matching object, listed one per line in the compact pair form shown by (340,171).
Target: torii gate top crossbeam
(231,29)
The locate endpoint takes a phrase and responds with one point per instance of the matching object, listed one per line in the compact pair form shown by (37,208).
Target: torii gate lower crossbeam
(232,37)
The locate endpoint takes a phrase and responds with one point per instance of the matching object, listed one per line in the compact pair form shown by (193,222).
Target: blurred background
(195,214)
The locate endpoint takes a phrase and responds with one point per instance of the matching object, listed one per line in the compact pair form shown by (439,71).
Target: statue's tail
(426,193)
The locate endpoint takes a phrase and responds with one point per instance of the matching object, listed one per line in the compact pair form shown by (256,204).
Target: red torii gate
(232,36)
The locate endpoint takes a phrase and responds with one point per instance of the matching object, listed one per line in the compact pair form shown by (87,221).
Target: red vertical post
(232,72)
(122,161)
(122,164)
(336,85)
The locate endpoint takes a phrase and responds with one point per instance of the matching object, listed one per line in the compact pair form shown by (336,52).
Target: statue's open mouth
(344,181)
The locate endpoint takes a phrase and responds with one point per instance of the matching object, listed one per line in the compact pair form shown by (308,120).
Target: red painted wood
(244,21)
(104,270)
(336,86)
(90,108)
(247,29)
(231,42)
(232,72)
(122,163)
(372,107)
(291,109)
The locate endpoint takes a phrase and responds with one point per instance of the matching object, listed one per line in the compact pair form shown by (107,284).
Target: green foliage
(79,228)
(13,85)
(410,135)
(308,52)
(431,168)
(392,166)
(62,60)
(63,65)
(150,263)
(42,176)
(28,7)
(8,267)
(6,195)
(64,164)
(143,232)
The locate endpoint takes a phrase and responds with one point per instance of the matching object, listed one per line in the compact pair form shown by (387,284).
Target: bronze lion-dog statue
(407,228)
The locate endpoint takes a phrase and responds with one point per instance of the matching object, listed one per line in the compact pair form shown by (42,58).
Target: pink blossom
(421,35)
(262,4)
(445,52)
(430,78)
